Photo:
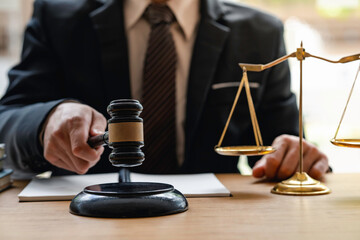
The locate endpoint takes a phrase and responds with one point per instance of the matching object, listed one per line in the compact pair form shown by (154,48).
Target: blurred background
(327,28)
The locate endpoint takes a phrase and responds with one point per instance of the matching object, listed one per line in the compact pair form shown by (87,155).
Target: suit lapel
(108,23)
(207,49)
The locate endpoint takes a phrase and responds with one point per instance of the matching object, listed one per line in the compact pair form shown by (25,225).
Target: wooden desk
(251,213)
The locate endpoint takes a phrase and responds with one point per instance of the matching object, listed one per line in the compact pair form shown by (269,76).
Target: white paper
(62,187)
(191,185)
(66,187)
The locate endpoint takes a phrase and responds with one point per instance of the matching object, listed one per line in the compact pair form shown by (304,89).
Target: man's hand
(66,133)
(283,163)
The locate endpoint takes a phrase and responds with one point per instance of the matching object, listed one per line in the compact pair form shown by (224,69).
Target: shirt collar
(133,10)
(186,12)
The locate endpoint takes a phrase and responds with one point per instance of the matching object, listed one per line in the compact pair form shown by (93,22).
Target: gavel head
(126,136)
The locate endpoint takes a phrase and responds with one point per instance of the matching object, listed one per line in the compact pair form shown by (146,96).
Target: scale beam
(341,60)
(261,67)
(300,54)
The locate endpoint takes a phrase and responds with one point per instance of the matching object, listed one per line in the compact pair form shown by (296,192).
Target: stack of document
(66,187)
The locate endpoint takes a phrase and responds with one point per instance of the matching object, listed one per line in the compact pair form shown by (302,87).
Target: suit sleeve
(34,90)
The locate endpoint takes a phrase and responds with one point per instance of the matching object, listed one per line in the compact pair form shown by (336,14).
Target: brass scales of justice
(300,183)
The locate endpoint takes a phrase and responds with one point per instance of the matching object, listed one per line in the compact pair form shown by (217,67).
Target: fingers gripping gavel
(125,133)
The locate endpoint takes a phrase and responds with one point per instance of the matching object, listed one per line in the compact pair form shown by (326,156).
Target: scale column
(300,55)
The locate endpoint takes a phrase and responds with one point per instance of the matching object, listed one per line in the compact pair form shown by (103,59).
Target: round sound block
(128,200)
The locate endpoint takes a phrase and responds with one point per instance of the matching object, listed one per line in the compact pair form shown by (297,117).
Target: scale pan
(244,150)
(349,142)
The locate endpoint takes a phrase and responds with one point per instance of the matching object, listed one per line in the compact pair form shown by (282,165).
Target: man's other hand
(284,162)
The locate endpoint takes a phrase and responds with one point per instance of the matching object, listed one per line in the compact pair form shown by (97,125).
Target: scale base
(128,200)
(300,184)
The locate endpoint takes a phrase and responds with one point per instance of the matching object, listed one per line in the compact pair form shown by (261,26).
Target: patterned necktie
(159,93)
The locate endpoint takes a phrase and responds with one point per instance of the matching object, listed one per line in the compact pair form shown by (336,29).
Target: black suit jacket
(78,50)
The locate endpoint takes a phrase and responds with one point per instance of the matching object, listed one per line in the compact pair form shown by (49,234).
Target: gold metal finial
(301,44)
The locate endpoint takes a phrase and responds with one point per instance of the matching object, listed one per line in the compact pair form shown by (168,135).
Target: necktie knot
(159,14)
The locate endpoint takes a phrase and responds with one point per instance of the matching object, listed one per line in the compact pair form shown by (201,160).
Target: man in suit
(80,55)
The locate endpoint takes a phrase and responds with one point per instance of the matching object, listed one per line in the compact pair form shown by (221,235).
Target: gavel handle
(98,140)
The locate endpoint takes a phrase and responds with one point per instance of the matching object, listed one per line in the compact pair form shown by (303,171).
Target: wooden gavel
(125,133)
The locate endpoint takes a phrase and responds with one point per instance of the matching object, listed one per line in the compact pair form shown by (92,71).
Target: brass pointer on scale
(300,183)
